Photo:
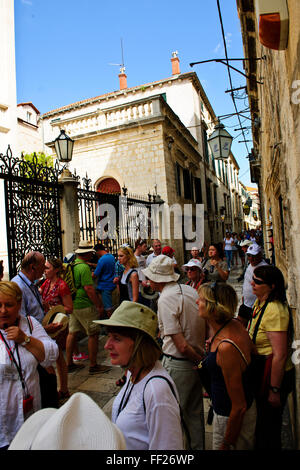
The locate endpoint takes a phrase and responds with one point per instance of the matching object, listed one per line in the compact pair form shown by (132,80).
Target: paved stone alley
(102,387)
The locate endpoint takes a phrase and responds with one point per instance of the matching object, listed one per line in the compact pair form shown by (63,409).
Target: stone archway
(109,186)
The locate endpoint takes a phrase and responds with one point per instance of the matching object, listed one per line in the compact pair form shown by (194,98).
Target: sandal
(121,381)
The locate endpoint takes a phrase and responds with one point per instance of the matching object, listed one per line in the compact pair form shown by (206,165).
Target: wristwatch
(275,389)
(26,340)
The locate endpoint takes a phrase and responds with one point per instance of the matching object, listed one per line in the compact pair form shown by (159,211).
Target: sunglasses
(213,287)
(259,282)
(191,269)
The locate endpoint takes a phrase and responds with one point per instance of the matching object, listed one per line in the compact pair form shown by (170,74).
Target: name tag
(8,372)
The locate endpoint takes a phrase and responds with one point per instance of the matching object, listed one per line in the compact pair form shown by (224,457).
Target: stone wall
(277,103)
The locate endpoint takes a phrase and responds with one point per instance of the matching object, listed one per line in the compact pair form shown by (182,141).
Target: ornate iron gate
(131,218)
(32,194)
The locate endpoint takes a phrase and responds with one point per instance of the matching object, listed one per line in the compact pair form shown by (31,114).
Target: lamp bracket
(225,62)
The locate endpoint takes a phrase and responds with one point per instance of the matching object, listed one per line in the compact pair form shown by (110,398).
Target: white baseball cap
(254,249)
(193,262)
(246,242)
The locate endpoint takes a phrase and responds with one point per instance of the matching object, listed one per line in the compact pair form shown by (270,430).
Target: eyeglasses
(259,282)
(191,269)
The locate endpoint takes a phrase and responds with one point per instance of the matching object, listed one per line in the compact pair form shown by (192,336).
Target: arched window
(109,186)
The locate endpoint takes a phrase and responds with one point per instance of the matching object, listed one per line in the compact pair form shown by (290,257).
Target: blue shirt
(31,298)
(119,269)
(105,272)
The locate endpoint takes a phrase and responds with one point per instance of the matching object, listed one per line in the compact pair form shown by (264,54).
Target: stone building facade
(273,88)
(153,138)
(29,132)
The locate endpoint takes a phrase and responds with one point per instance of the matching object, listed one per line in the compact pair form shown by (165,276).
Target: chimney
(175,63)
(123,79)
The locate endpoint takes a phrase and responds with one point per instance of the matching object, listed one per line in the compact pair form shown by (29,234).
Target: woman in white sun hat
(194,272)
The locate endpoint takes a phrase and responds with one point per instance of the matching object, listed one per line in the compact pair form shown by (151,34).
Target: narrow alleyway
(102,388)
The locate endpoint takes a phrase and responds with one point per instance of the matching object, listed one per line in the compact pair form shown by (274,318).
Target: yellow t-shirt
(275,318)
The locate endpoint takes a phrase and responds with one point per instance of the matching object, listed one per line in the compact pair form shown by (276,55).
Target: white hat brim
(81,251)
(29,430)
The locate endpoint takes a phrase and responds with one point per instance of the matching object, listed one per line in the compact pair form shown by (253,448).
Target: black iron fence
(32,208)
(113,219)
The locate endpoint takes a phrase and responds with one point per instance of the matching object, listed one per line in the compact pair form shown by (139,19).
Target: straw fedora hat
(161,269)
(56,314)
(79,424)
(85,247)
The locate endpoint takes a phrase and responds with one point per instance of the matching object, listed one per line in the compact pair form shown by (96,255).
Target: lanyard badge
(27,398)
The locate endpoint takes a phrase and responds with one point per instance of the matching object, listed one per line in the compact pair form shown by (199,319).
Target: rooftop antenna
(122,65)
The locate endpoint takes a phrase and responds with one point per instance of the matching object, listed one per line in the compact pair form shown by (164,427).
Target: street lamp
(64,147)
(220,142)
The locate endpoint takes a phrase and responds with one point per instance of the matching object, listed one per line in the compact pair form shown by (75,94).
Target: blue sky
(64,49)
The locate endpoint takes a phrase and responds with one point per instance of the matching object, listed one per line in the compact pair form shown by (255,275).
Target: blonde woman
(23,345)
(129,283)
(227,364)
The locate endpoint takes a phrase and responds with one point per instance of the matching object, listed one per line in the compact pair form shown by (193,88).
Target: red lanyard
(255,312)
(13,360)
(8,350)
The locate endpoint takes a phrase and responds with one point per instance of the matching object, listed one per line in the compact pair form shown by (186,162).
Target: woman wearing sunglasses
(194,273)
(269,330)
(227,368)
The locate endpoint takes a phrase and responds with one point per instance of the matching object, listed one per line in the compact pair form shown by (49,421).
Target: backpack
(68,277)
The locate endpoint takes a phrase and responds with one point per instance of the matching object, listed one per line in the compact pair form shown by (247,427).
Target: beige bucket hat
(161,269)
(134,315)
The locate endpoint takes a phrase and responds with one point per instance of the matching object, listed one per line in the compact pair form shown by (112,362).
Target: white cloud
(217,48)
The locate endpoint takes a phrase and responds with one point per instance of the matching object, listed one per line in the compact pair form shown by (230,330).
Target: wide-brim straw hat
(85,247)
(134,315)
(161,269)
(79,424)
(56,314)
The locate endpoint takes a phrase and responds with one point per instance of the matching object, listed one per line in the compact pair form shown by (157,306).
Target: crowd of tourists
(176,333)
